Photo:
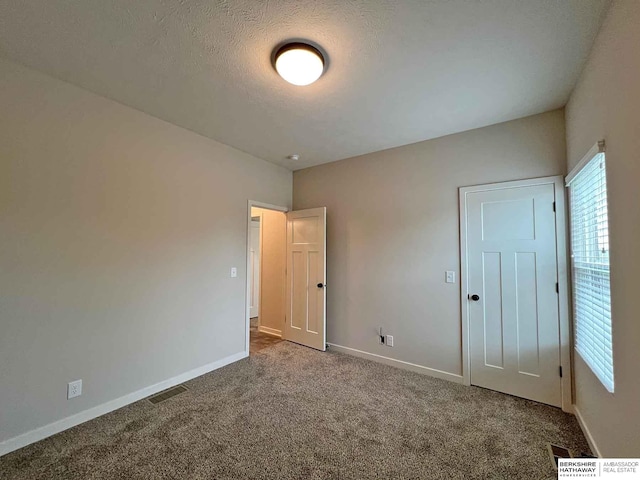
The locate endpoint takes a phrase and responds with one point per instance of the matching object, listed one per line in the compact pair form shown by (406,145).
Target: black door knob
(473,297)
(320,285)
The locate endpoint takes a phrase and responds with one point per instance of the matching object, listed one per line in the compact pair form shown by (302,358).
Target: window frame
(596,150)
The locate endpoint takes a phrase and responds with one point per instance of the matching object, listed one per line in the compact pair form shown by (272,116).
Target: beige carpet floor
(289,412)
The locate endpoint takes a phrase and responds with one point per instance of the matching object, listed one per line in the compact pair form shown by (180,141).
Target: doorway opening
(286,277)
(515,325)
(266,274)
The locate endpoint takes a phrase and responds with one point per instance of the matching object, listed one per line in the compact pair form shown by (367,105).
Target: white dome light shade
(299,63)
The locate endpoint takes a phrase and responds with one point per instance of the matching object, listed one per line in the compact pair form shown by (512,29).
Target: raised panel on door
(526,313)
(315,295)
(512,266)
(299,290)
(492,310)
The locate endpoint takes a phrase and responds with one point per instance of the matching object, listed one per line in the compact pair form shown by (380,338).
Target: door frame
(247,300)
(563,277)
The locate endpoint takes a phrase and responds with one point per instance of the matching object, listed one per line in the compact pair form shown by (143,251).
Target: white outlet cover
(450,276)
(389,341)
(74,389)
(234,272)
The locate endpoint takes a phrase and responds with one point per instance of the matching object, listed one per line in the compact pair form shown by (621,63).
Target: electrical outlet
(234,272)
(450,276)
(389,339)
(74,389)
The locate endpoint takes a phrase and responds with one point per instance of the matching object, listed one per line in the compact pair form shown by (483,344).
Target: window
(590,263)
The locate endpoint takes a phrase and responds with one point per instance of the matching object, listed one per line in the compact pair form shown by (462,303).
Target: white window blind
(590,262)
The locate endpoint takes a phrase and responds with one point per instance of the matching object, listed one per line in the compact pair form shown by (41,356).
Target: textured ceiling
(399,71)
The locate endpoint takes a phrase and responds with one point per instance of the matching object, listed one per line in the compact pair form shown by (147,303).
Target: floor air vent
(167,394)
(556,452)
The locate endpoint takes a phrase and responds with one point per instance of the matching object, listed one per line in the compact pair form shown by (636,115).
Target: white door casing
(305,318)
(254,254)
(510,250)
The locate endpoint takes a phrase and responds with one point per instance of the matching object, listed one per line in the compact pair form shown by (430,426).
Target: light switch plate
(234,272)
(450,276)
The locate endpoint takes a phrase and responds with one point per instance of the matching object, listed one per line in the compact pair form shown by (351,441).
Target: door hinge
(560,370)
(557,288)
(554,206)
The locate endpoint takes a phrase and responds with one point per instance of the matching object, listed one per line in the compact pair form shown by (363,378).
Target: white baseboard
(587,432)
(432,372)
(41,433)
(270,331)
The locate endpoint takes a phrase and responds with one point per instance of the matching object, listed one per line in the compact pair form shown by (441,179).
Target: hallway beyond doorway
(260,340)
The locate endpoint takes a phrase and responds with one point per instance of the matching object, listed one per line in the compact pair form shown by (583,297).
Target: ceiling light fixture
(299,63)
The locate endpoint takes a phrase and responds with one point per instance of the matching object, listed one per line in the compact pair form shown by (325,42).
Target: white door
(305,319)
(511,282)
(255,269)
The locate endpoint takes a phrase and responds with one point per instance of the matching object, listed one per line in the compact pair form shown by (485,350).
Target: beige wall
(273,226)
(606,105)
(392,232)
(117,235)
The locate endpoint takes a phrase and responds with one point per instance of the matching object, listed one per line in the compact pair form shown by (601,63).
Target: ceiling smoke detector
(299,63)
(295,157)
